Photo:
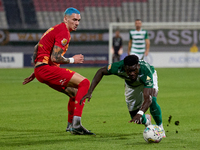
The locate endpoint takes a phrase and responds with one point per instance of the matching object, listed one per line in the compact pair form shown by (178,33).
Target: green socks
(144,120)
(155,111)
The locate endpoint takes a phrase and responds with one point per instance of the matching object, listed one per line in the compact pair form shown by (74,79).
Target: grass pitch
(34,116)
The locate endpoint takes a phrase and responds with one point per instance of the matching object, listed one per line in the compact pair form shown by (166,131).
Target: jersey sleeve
(146,35)
(61,40)
(147,76)
(114,67)
(147,80)
(130,36)
(111,69)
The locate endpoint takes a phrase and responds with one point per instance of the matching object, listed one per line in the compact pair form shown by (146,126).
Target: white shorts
(134,95)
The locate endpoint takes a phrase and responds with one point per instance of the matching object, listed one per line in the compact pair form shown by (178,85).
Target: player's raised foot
(81,131)
(148,117)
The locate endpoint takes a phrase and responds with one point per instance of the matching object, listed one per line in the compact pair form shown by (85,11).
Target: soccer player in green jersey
(139,42)
(141,88)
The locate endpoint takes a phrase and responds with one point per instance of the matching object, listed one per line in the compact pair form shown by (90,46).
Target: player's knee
(85,82)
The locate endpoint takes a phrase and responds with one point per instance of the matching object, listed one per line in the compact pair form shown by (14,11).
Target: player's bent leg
(71,105)
(60,78)
(75,80)
(77,127)
(155,111)
(71,92)
(82,85)
(82,90)
(157,115)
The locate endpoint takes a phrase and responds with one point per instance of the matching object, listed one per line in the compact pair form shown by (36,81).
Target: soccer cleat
(161,126)
(148,117)
(80,131)
(69,125)
(68,128)
(164,136)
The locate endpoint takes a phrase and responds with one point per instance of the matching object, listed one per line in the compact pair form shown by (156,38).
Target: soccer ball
(152,134)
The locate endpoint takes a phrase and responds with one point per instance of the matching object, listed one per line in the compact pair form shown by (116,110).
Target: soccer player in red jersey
(47,57)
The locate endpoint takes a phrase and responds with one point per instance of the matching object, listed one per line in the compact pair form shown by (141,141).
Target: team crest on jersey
(64,42)
(40,45)
(109,67)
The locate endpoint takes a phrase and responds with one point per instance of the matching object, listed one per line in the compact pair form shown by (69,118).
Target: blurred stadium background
(22,23)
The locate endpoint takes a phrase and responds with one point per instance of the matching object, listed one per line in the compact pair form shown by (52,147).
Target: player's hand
(88,95)
(29,79)
(78,59)
(137,119)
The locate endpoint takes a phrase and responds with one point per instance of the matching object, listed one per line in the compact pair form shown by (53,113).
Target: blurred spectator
(117,47)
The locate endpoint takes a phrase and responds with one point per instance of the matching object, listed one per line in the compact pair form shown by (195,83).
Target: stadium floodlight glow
(148,26)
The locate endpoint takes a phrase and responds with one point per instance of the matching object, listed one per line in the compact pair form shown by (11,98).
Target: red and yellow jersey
(57,35)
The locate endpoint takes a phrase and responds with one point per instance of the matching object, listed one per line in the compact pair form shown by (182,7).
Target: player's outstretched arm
(97,78)
(34,53)
(29,79)
(56,56)
(145,105)
(32,76)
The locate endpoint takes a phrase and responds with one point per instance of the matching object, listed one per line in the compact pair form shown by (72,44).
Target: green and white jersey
(145,75)
(138,41)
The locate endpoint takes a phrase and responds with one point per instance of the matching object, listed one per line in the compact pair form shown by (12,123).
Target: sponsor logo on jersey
(64,42)
(149,84)
(149,81)
(148,78)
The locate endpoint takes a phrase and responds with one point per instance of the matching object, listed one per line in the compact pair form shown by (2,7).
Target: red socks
(71,105)
(82,90)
